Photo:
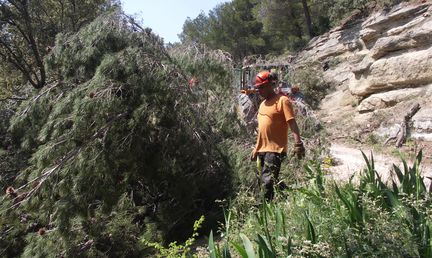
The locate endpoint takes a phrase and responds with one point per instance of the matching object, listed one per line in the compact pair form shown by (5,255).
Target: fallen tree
(121,148)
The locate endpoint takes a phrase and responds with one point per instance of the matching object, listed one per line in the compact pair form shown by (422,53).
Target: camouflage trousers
(268,165)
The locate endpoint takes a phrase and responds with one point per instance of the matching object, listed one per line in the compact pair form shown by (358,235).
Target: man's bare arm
(295,130)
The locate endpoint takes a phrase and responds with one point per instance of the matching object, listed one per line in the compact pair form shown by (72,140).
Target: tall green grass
(323,218)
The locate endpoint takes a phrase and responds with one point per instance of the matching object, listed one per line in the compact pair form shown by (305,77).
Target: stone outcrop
(422,123)
(380,64)
(392,98)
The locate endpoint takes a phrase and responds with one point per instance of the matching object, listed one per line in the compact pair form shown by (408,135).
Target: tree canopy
(28,29)
(250,27)
(230,26)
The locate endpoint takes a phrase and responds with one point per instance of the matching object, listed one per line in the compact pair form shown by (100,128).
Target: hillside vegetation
(108,150)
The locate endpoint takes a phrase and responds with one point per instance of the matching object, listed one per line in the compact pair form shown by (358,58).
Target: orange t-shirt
(273,117)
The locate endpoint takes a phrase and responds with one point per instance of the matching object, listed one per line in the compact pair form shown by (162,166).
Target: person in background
(275,115)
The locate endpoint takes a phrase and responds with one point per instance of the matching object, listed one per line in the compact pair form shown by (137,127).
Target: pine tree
(122,147)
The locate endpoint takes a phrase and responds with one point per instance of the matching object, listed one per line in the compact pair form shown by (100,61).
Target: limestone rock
(391,98)
(422,124)
(417,37)
(385,60)
(394,72)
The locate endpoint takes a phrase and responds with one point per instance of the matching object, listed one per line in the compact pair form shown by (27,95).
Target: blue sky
(166,17)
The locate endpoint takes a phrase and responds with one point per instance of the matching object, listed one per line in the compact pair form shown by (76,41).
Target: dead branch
(391,138)
(40,95)
(401,134)
(404,125)
(15,98)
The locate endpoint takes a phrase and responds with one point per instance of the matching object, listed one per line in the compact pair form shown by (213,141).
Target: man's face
(265,90)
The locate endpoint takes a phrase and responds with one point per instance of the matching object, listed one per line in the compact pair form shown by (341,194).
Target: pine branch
(14,98)
(37,182)
(46,91)
(166,55)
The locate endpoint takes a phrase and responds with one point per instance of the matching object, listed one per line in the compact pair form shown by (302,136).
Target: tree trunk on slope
(307,18)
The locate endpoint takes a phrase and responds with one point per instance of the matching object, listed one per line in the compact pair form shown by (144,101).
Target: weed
(175,250)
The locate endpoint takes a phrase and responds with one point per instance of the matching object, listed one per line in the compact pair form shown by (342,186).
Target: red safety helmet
(262,78)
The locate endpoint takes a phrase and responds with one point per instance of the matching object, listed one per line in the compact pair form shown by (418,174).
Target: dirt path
(349,162)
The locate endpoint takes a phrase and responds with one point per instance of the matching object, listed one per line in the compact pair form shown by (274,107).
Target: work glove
(253,155)
(299,150)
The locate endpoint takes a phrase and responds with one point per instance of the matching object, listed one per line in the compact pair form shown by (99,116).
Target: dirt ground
(350,133)
(349,160)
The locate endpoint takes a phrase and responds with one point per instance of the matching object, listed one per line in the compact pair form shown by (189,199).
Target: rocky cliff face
(379,66)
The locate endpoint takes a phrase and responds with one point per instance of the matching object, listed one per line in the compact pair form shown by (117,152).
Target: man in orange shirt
(275,115)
